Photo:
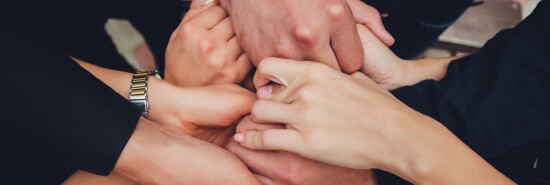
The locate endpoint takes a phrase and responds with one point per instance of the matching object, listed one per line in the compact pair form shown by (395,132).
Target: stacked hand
(316,30)
(203,50)
(350,121)
(279,167)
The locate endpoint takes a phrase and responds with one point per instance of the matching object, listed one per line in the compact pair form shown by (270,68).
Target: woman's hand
(209,113)
(153,156)
(391,72)
(203,50)
(280,167)
(352,122)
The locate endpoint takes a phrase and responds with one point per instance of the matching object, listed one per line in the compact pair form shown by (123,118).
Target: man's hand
(277,167)
(204,50)
(316,30)
(153,156)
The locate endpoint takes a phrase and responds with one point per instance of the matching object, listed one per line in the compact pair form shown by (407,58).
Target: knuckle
(283,50)
(220,11)
(231,76)
(215,64)
(317,70)
(306,35)
(295,174)
(188,30)
(207,45)
(337,10)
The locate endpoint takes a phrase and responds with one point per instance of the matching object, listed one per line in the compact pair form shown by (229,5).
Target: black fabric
(77,27)
(417,24)
(497,101)
(57,117)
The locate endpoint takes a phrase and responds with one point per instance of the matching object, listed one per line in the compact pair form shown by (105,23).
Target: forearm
(158,91)
(415,71)
(444,159)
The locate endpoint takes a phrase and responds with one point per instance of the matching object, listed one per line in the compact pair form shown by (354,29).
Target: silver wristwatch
(138,90)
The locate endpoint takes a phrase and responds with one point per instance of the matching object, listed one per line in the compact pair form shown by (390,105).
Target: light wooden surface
(482,22)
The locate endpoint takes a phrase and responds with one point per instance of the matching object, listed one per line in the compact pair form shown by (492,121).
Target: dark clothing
(61,118)
(417,24)
(57,117)
(498,100)
(77,27)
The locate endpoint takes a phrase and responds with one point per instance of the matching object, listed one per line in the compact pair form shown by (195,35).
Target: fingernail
(239,137)
(207,2)
(265,91)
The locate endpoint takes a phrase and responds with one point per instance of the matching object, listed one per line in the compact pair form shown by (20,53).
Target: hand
(203,50)
(209,113)
(327,113)
(317,30)
(153,156)
(352,122)
(380,63)
(276,167)
(391,72)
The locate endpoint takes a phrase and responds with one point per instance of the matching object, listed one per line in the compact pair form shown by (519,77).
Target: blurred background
(467,35)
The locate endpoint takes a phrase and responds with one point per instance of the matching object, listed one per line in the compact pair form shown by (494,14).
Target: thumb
(272,139)
(370,17)
(198,6)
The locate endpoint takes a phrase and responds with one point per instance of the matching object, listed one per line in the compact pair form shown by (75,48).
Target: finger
(325,56)
(273,139)
(370,17)
(209,18)
(264,111)
(275,92)
(281,71)
(235,49)
(244,65)
(264,180)
(360,76)
(195,4)
(347,47)
(261,162)
(198,6)
(224,30)
(247,124)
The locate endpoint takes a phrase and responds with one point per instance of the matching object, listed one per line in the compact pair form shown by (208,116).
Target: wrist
(136,155)
(163,98)
(418,157)
(398,77)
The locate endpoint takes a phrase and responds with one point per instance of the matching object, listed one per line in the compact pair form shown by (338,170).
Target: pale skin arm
(391,72)
(367,128)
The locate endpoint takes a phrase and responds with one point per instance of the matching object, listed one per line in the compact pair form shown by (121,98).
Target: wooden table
(479,24)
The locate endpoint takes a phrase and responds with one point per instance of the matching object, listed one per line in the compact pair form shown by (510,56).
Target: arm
(322,31)
(367,128)
(74,120)
(177,109)
(390,71)
(494,100)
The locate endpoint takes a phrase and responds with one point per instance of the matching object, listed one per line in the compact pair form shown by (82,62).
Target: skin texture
(153,156)
(317,30)
(352,122)
(167,152)
(203,50)
(277,167)
(382,66)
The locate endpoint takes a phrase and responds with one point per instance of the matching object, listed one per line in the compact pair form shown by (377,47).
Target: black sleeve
(57,111)
(498,98)
(155,20)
